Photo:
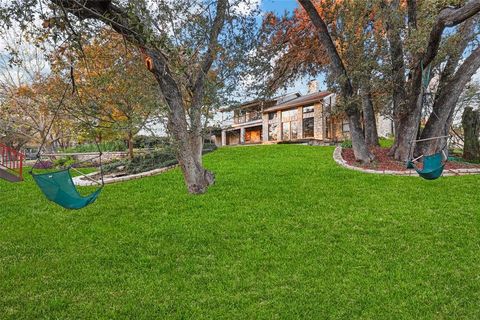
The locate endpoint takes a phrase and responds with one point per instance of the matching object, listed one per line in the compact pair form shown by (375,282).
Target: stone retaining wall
(86,156)
(82,181)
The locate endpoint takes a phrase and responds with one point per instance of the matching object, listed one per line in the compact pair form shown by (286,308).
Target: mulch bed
(384,162)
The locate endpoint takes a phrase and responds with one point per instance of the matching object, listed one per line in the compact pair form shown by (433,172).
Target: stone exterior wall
(319,121)
(384,126)
(217,140)
(233,137)
(337,125)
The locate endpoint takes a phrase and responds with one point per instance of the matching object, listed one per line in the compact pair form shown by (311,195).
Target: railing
(254,116)
(239,119)
(11,159)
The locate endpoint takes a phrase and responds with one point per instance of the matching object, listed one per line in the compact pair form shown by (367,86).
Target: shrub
(86,164)
(346,144)
(113,166)
(209,147)
(107,146)
(43,164)
(64,162)
(149,161)
(141,141)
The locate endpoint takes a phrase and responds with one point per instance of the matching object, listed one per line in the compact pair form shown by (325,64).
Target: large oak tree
(182,42)
(414,49)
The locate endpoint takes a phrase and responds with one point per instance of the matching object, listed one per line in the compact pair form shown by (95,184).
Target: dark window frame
(312,127)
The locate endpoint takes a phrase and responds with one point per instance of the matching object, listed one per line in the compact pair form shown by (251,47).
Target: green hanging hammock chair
(58,187)
(433,166)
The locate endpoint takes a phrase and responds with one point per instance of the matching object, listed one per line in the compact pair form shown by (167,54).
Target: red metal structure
(11,164)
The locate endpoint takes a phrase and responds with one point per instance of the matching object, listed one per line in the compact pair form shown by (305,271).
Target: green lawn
(284,234)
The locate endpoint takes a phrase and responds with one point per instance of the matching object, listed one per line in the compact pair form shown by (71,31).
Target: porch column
(300,122)
(242,135)
(224,138)
(265,127)
(280,126)
(319,116)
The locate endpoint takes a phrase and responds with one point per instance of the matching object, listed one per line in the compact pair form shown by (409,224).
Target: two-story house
(291,117)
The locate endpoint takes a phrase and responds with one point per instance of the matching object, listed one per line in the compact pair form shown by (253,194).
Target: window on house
(248,136)
(272,116)
(286,131)
(345,126)
(239,116)
(308,127)
(272,132)
(289,125)
(308,109)
(289,115)
(253,115)
(293,130)
(328,127)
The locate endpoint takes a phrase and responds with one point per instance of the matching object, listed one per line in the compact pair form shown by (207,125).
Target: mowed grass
(284,233)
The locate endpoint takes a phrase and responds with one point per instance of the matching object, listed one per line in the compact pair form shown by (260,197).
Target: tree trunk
(188,143)
(360,150)
(189,157)
(406,127)
(405,135)
(130,145)
(369,121)
(471,129)
(189,147)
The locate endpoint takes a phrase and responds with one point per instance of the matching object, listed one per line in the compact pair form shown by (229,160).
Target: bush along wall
(149,161)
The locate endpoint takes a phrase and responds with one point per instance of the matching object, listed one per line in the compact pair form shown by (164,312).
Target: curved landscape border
(337,156)
(84,183)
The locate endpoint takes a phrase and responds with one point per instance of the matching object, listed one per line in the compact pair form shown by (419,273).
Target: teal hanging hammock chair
(433,166)
(58,187)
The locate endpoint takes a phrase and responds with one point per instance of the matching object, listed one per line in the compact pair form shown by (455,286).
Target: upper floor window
(272,116)
(308,109)
(289,115)
(308,127)
(254,115)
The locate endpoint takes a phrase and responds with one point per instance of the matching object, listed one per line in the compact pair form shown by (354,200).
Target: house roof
(285,97)
(300,101)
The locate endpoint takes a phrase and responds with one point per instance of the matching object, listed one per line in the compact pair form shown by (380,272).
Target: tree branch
(210,55)
(448,17)
(412,14)
(466,70)
(337,65)
(396,56)
(465,36)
